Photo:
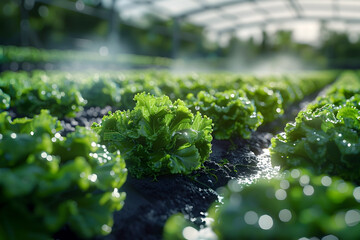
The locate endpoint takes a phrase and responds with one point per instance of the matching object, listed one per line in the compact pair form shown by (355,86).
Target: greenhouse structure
(185,120)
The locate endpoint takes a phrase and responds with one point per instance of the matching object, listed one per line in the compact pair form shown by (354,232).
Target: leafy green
(36,55)
(296,205)
(158,136)
(346,86)
(267,102)
(324,137)
(232,112)
(48,181)
(101,92)
(30,94)
(4,100)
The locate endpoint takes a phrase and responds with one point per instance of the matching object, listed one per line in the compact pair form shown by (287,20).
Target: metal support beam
(335,8)
(259,9)
(175,37)
(24,24)
(211,7)
(112,19)
(27,35)
(219,48)
(286,19)
(296,7)
(213,21)
(113,37)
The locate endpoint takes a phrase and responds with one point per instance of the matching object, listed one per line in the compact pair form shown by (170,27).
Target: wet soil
(150,202)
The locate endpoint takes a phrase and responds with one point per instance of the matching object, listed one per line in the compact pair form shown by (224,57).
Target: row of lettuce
(256,101)
(9,54)
(49,182)
(157,136)
(316,196)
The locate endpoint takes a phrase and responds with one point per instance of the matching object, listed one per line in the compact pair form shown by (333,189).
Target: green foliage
(323,138)
(157,137)
(267,102)
(101,92)
(345,87)
(59,91)
(4,100)
(232,112)
(326,136)
(48,181)
(30,94)
(35,55)
(297,205)
(288,90)
(132,87)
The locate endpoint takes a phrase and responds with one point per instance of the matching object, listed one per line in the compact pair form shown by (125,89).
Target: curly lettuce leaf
(50,181)
(324,137)
(232,113)
(157,137)
(267,101)
(4,100)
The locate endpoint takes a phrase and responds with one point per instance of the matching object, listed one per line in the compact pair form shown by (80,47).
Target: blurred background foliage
(52,27)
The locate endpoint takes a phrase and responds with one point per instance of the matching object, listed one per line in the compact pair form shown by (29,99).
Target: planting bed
(150,202)
(166,144)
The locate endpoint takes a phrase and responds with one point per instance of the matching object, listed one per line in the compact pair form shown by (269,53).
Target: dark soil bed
(150,202)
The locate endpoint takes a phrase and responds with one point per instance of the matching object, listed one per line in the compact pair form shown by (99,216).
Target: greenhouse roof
(222,19)
(229,15)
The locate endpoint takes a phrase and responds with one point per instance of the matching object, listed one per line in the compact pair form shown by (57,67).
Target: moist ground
(150,202)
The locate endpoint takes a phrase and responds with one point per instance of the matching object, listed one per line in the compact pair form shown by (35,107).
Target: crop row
(85,171)
(238,112)
(48,181)
(304,202)
(326,135)
(10,54)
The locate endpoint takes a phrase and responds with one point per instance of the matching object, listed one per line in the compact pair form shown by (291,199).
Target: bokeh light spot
(330,237)
(326,181)
(352,217)
(280,194)
(285,215)
(266,222)
(251,217)
(304,180)
(295,173)
(190,233)
(356,194)
(308,190)
(284,184)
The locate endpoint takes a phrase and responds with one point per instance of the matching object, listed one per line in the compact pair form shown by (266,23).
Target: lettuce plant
(48,181)
(101,92)
(297,205)
(128,91)
(325,138)
(232,112)
(4,100)
(29,94)
(158,136)
(267,101)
